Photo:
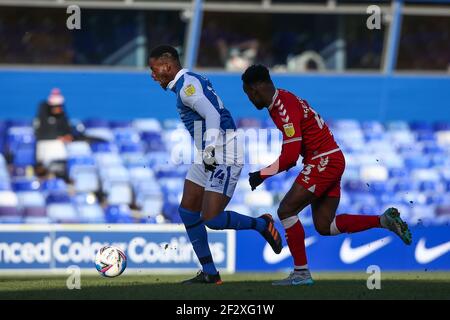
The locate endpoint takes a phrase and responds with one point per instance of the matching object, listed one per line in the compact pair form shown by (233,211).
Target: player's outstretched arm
(287,159)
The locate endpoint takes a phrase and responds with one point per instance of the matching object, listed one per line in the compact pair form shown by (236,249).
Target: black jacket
(48,126)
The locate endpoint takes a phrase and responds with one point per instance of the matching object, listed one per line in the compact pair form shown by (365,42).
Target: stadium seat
(126,136)
(107,160)
(33,206)
(131,148)
(374,173)
(120,124)
(421,126)
(120,193)
(118,214)
(397,126)
(102,133)
(25,184)
(104,147)
(5,184)
(153,141)
(95,123)
(89,211)
(3,163)
(86,181)
(54,185)
(80,164)
(60,208)
(417,162)
(78,149)
(151,205)
(147,125)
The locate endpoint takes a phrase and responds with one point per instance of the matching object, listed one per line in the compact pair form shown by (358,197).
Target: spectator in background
(52,130)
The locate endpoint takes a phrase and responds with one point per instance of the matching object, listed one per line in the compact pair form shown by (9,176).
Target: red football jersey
(304,131)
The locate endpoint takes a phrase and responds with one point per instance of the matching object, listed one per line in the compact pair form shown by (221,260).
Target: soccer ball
(110,261)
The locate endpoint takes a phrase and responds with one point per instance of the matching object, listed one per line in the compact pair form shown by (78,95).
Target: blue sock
(196,231)
(236,221)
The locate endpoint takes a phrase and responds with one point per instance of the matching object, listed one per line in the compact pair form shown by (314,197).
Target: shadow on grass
(241,290)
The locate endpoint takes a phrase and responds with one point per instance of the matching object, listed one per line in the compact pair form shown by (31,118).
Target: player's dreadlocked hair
(165,51)
(256,73)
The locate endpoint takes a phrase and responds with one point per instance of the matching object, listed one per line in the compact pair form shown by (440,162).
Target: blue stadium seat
(76,165)
(105,134)
(172,124)
(78,149)
(104,147)
(9,208)
(131,148)
(89,211)
(118,214)
(431,147)
(151,205)
(126,136)
(18,136)
(147,125)
(54,185)
(60,208)
(398,173)
(427,136)
(86,181)
(5,184)
(33,205)
(405,185)
(24,155)
(95,123)
(153,141)
(421,126)
(107,160)
(19,123)
(431,186)
(441,126)
(372,126)
(25,184)
(134,160)
(120,193)
(120,124)
(417,162)
(355,186)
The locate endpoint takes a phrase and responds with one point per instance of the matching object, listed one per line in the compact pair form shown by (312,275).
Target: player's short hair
(165,51)
(256,73)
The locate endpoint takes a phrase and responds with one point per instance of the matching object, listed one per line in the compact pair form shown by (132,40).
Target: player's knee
(323,228)
(284,213)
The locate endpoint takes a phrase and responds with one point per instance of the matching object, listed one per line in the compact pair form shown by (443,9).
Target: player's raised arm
(292,142)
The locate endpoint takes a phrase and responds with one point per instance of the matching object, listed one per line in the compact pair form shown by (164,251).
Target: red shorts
(322,174)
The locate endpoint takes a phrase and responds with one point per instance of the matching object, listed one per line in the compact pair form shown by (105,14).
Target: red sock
(295,237)
(350,223)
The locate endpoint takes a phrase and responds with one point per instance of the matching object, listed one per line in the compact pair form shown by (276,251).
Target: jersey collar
(177,76)
(274,98)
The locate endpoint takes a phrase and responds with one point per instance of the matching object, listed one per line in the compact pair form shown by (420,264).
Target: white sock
(333,228)
(289,222)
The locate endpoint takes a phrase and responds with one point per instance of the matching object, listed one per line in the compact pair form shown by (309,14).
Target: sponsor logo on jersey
(289,129)
(189,90)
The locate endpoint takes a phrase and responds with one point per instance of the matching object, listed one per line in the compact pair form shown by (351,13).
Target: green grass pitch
(241,286)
